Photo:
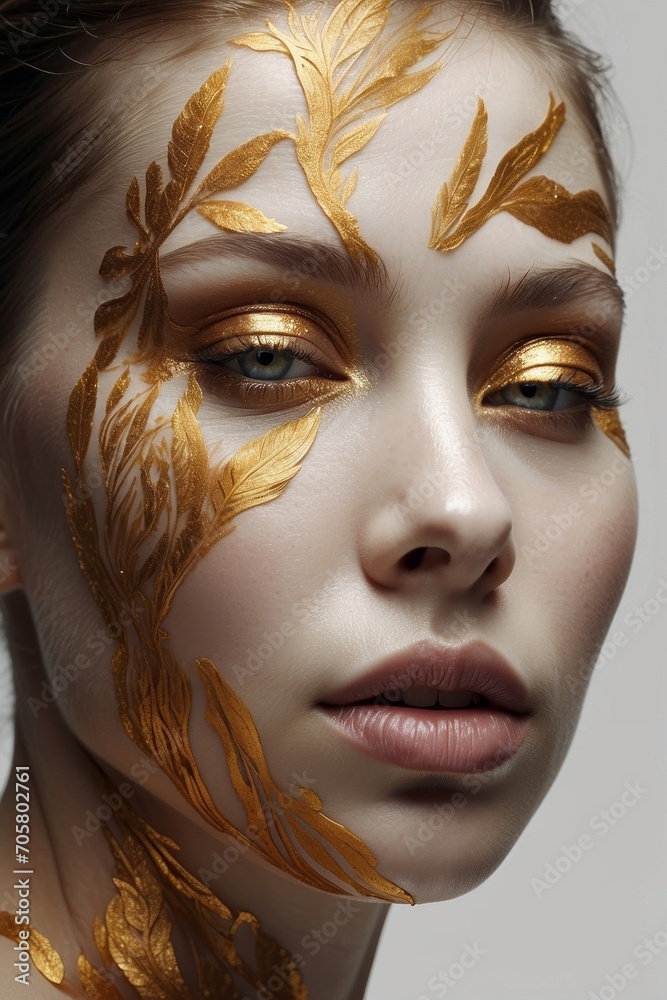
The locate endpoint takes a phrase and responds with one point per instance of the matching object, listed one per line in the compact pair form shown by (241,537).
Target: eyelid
(548,355)
(282,320)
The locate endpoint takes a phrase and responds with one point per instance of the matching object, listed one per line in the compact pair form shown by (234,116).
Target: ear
(10,574)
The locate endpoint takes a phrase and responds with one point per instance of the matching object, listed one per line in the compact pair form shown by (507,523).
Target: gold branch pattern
(167,505)
(348,70)
(538,202)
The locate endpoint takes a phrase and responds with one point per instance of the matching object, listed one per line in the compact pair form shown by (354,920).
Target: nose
(440,518)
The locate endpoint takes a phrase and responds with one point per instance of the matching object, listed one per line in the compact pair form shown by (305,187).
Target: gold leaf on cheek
(557,213)
(192,130)
(236,217)
(260,470)
(296,819)
(81,413)
(112,320)
(189,456)
(609,423)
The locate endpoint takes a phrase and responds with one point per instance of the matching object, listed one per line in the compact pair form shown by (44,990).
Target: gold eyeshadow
(544,360)
(252,320)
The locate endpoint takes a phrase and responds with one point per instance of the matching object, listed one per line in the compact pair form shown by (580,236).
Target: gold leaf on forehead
(192,130)
(347,190)
(604,257)
(351,29)
(356,138)
(94,982)
(156,208)
(237,217)
(260,42)
(341,88)
(81,414)
(539,202)
(236,167)
(452,200)
(133,206)
(558,213)
(116,262)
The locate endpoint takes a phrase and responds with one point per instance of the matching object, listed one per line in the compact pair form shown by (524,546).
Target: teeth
(455,699)
(426,697)
(394,695)
(420,697)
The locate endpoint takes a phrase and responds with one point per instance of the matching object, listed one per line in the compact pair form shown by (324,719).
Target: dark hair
(48,133)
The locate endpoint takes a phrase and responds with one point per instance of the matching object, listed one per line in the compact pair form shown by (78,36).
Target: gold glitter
(43,955)
(609,423)
(538,202)
(552,360)
(549,358)
(605,258)
(167,506)
(341,89)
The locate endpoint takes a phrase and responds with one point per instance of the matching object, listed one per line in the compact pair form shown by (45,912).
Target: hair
(50,127)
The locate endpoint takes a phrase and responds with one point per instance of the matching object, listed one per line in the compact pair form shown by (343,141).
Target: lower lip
(460,741)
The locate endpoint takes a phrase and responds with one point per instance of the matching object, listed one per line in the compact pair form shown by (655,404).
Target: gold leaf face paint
(347,72)
(166,507)
(538,202)
(554,363)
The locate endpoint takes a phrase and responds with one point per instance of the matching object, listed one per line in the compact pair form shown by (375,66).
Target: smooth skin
(360,553)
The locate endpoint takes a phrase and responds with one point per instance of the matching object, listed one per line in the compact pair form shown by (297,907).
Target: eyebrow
(540,288)
(295,254)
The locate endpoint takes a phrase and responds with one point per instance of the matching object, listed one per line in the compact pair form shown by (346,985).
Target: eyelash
(254,391)
(580,418)
(593,396)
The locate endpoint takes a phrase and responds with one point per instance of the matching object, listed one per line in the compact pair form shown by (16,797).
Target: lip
(458,741)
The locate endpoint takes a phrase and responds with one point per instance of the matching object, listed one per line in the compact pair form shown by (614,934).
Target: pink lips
(466,740)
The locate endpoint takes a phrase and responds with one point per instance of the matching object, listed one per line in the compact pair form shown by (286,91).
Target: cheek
(574,554)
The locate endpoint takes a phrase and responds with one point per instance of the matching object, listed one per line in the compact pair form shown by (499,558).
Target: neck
(210,894)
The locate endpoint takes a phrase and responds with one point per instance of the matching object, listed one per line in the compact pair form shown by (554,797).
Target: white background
(573,940)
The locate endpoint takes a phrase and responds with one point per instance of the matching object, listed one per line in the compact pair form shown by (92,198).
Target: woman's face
(440,509)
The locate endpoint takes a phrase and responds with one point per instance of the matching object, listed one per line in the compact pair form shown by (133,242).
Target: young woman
(311,333)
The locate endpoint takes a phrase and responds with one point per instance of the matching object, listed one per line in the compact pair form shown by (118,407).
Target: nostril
(413,558)
(491,567)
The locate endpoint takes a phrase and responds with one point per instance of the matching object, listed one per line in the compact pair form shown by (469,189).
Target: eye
(266,360)
(270,355)
(544,396)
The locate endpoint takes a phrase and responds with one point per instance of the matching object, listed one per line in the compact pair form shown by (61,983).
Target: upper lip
(474,667)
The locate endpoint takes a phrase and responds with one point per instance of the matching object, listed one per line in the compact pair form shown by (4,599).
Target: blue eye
(546,396)
(269,363)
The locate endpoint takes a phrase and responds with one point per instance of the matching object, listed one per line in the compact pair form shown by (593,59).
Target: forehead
(414,150)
